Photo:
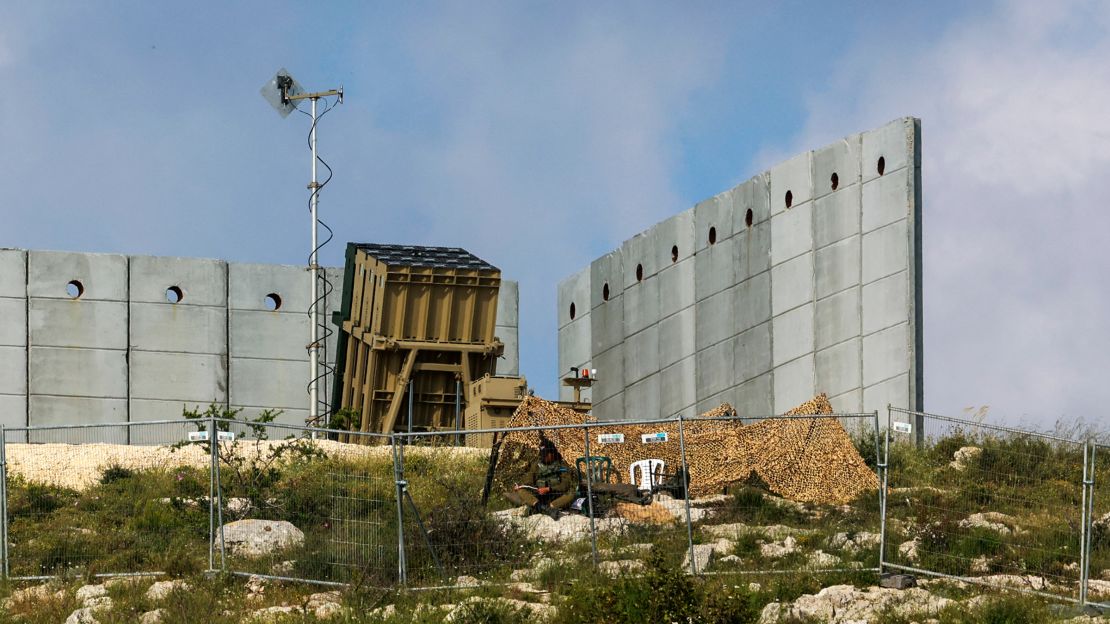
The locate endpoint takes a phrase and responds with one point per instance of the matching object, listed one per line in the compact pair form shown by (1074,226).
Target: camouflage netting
(809,460)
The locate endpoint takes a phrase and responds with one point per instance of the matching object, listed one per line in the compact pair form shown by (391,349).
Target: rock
(855,542)
(467,581)
(845,604)
(897,581)
(162,589)
(83,615)
(322,598)
(737,529)
(820,559)
(992,520)
(909,549)
(703,554)
(125,581)
(283,568)
(568,528)
(1037,583)
(152,617)
(272,613)
(729,559)
(617,568)
(327,610)
(521,575)
(529,590)
(537,611)
(964,456)
(101,603)
(256,587)
(86,593)
(678,509)
(754,587)
(35,593)
(383,613)
(1098,587)
(259,538)
(777,550)
(980,565)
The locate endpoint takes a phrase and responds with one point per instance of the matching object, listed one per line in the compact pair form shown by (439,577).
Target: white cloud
(1016,148)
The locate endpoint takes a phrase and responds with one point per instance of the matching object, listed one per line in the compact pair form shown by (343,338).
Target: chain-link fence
(977,502)
(986,504)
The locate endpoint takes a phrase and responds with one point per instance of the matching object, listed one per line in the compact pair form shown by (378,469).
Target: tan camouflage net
(809,460)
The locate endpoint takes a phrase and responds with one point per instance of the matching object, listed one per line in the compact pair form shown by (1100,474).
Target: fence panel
(296,503)
(1098,587)
(81,500)
(987,504)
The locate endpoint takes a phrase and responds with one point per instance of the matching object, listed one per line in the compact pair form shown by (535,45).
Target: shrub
(115,473)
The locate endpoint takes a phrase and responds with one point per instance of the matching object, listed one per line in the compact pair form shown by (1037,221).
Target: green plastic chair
(598,467)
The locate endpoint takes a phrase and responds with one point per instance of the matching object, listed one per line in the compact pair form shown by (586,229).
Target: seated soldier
(549,486)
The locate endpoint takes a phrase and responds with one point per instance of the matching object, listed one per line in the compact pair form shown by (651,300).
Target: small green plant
(115,473)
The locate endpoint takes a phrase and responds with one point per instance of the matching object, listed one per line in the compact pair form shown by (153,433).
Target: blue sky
(541,135)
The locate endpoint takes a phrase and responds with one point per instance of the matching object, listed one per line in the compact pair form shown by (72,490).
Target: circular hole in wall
(174,294)
(712,236)
(572,310)
(75,289)
(605,291)
(272,301)
(834,181)
(639,272)
(881,167)
(789,199)
(674,253)
(748,216)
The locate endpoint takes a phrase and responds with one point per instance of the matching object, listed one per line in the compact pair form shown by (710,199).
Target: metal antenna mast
(283,93)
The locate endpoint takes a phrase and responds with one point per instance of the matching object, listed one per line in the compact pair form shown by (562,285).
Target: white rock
(617,568)
(737,529)
(272,613)
(521,575)
(992,520)
(754,587)
(820,559)
(88,592)
(385,613)
(35,593)
(980,565)
(152,617)
(162,589)
(538,611)
(1098,587)
(327,610)
(730,559)
(703,554)
(845,604)
(83,615)
(258,538)
(964,456)
(467,581)
(909,549)
(855,542)
(100,603)
(283,568)
(322,598)
(1038,583)
(776,550)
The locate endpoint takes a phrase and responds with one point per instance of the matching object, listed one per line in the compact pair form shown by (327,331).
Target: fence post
(218,499)
(1087,520)
(686,491)
(883,484)
(590,495)
(211,497)
(399,483)
(4,498)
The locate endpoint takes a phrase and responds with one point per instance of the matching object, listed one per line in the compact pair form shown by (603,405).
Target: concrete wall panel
(675,235)
(715,368)
(178,328)
(610,374)
(248,285)
(836,216)
(714,214)
(574,290)
(179,376)
(269,335)
(13,371)
(94,373)
(13,412)
(641,306)
(893,143)
(886,199)
(676,288)
(606,276)
(607,325)
(795,177)
(838,368)
(202,282)
(791,233)
(677,389)
(752,195)
(885,251)
(884,354)
(792,284)
(894,391)
(751,303)
(509,362)
(78,324)
(677,337)
(793,334)
(639,252)
(753,251)
(641,400)
(610,409)
(67,410)
(753,352)
(715,268)
(754,397)
(13,273)
(714,319)
(886,302)
(574,345)
(840,158)
(103,277)
(837,267)
(794,384)
(837,318)
(508,304)
(641,355)
(269,383)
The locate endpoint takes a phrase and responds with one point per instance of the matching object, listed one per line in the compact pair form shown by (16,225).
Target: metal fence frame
(217,548)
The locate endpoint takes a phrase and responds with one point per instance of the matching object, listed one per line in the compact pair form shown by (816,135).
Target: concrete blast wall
(804,279)
(88,338)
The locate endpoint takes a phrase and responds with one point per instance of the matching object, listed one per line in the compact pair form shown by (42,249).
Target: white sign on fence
(610,438)
(653,438)
(902,427)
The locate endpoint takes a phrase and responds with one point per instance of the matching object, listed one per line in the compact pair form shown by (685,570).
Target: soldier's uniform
(556,475)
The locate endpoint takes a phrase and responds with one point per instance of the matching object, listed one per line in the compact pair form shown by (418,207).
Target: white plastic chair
(651,473)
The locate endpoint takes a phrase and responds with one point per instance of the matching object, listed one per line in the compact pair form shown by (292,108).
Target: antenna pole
(314,267)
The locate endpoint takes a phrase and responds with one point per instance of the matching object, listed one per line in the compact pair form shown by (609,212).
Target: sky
(541,135)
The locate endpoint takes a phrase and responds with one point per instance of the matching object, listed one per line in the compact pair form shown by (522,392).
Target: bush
(115,473)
